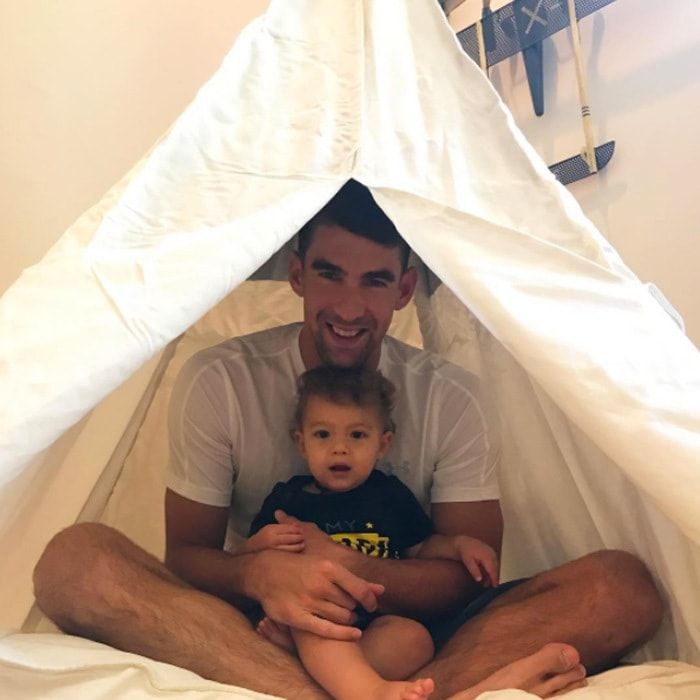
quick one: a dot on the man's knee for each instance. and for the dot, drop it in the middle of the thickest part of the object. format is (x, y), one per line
(75, 564)
(623, 587)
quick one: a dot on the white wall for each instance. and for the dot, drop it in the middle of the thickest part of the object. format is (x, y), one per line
(87, 86)
(643, 68)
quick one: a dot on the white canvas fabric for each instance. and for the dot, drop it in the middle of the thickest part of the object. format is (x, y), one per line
(55, 667)
(597, 389)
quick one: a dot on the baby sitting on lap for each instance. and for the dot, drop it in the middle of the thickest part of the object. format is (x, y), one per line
(342, 427)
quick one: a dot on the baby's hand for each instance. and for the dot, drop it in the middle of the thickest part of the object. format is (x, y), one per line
(479, 559)
(288, 538)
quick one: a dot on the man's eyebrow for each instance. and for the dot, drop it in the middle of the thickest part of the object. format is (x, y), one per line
(383, 274)
(324, 265)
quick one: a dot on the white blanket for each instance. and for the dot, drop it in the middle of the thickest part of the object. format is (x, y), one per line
(59, 667)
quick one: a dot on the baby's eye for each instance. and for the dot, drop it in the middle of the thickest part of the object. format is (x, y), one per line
(358, 434)
(322, 434)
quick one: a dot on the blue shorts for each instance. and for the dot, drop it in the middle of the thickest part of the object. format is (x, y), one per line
(443, 629)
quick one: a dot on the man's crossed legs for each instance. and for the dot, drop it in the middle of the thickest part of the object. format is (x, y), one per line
(94, 582)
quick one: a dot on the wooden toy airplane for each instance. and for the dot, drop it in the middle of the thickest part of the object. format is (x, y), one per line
(521, 26)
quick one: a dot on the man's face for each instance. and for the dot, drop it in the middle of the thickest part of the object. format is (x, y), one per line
(351, 287)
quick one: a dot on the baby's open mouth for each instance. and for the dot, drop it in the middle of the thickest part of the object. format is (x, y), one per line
(340, 468)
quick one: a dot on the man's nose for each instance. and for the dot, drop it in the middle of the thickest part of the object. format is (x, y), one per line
(349, 306)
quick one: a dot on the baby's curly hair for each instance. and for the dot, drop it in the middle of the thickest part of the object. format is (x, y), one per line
(359, 387)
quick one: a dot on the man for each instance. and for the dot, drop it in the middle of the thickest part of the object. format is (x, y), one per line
(229, 445)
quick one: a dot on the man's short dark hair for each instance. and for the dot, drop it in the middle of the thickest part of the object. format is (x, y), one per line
(346, 385)
(354, 208)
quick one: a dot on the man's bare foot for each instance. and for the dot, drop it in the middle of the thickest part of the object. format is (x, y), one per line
(277, 634)
(554, 669)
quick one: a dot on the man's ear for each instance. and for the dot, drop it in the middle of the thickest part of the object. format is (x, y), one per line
(298, 438)
(296, 268)
(407, 285)
(385, 443)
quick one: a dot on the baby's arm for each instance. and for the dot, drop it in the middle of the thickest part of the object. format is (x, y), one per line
(287, 538)
(478, 558)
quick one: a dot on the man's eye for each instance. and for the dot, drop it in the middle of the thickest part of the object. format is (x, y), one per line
(322, 434)
(329, 274)
(377, 282)
(358, 434)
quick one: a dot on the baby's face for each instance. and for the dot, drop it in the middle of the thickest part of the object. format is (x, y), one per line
(341, 442)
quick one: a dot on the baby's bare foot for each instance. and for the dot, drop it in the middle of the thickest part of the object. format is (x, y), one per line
(398, 690)
(417, 690)
(276, 633)
(381, 689)
(554, 669)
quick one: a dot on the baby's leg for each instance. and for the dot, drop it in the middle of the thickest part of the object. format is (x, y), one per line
(343, 671)
(396, 647)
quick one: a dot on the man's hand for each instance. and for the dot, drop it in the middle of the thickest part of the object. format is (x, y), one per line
(287, 538)
(310, 593)
(479, 560)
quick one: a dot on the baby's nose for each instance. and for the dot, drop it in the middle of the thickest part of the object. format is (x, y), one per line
(340, 447)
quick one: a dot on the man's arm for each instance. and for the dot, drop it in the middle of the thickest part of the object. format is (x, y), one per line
(415, 587)
(194, 541)
(307, 592)
(476, 556)
(480, 519)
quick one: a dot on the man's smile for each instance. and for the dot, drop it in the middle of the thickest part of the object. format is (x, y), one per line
(343, 333)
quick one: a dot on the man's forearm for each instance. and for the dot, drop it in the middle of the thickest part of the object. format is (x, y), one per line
(214, 571)
(420, 588)
(436, 547)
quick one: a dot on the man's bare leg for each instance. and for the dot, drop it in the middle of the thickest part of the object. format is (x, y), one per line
(94, 582)
(552, 670)
(603, 605)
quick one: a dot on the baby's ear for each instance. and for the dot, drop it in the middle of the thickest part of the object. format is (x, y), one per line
(298, 438)
(385, 442)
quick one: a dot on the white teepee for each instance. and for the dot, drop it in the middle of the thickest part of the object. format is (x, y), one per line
(597, 389)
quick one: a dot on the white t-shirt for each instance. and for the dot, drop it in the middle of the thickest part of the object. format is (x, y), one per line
(232, 407)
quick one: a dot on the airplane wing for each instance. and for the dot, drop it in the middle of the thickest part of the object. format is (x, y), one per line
(521, 24)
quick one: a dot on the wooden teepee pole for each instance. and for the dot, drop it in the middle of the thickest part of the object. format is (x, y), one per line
(480, 39)
(589, 152)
